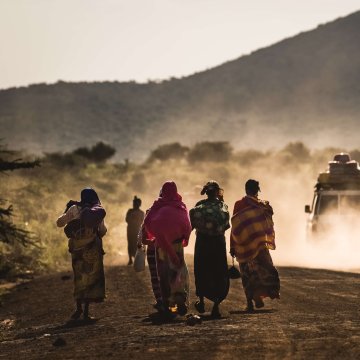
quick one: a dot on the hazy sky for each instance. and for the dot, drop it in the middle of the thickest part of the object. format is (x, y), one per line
(74, 40)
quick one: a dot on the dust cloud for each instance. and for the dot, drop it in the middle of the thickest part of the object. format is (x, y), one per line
(286, 182)
(289, 189)
(287, 178)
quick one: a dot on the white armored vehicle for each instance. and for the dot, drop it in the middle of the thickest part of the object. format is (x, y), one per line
(336, 202)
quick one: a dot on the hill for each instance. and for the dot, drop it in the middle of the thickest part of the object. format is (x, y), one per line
(303, 88)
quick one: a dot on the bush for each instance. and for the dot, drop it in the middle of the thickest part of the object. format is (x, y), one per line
(296, 150)
(210, 151)
(169, 151)
(100, 152)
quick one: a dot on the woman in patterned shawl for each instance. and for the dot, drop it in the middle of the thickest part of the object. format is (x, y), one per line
(167, 222)
(252, 235)
(210, 218)
(85, 228)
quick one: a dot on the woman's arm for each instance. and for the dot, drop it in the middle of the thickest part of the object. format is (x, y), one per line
(102, 229)
(237, 206)
(127, 217)
(65, 218)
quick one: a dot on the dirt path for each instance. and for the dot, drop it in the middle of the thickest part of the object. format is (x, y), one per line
(317, 317)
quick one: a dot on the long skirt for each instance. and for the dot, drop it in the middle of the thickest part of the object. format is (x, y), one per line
(260, 278)
(210, 267)
(155, 283)
(132, 233)
(89, 279)
(174, 282)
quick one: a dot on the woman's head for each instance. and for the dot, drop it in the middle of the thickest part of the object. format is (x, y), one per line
(169, 191)
(89, 196)
(252, 187)
(136, 202)
(211, 189)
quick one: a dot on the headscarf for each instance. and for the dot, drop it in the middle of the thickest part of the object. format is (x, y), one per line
(168, 219)
(168, 197)
(89, 196)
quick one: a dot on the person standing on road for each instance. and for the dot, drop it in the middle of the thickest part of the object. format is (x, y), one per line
(167, 224)
(85, 227)
(210, 218)
(134, 218)
(252, 235)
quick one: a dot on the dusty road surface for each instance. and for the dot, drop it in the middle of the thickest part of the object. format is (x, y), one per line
(318, 317)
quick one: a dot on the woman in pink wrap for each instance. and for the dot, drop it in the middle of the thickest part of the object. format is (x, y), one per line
(168, 224)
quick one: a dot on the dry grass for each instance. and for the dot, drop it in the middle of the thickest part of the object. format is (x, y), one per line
(39, 196)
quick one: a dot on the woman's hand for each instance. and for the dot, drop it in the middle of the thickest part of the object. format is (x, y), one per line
(147, 242)
(70, 204)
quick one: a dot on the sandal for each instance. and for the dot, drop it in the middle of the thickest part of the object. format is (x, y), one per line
(200, 307)
(182, 309)
(249, 309)
(259, 303)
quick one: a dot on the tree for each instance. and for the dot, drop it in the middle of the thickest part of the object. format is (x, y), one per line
(9, 232)
(100, 152)
(296, 150)
(169, 151)
(213, 151)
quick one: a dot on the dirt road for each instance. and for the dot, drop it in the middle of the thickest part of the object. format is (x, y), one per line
(318, 317)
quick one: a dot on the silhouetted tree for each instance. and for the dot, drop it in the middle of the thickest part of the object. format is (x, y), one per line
(98, 153)
(296, 150)
(169, 151)
(9, 232)
(210, 151)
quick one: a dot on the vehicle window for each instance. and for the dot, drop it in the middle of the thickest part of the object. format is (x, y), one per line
(349, 204)
(328, 203)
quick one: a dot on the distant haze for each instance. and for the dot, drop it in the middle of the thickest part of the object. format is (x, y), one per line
(87, 40)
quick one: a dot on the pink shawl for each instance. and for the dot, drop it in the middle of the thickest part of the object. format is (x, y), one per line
(168, 220)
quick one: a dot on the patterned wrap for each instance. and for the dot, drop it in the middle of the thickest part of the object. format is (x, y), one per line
(89, 279)
(155, 282)
(210, 217)
(252, 229)
(87, 257)
(260, 278)
(174, 280)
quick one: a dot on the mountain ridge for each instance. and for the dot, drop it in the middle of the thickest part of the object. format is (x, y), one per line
(301, 88)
